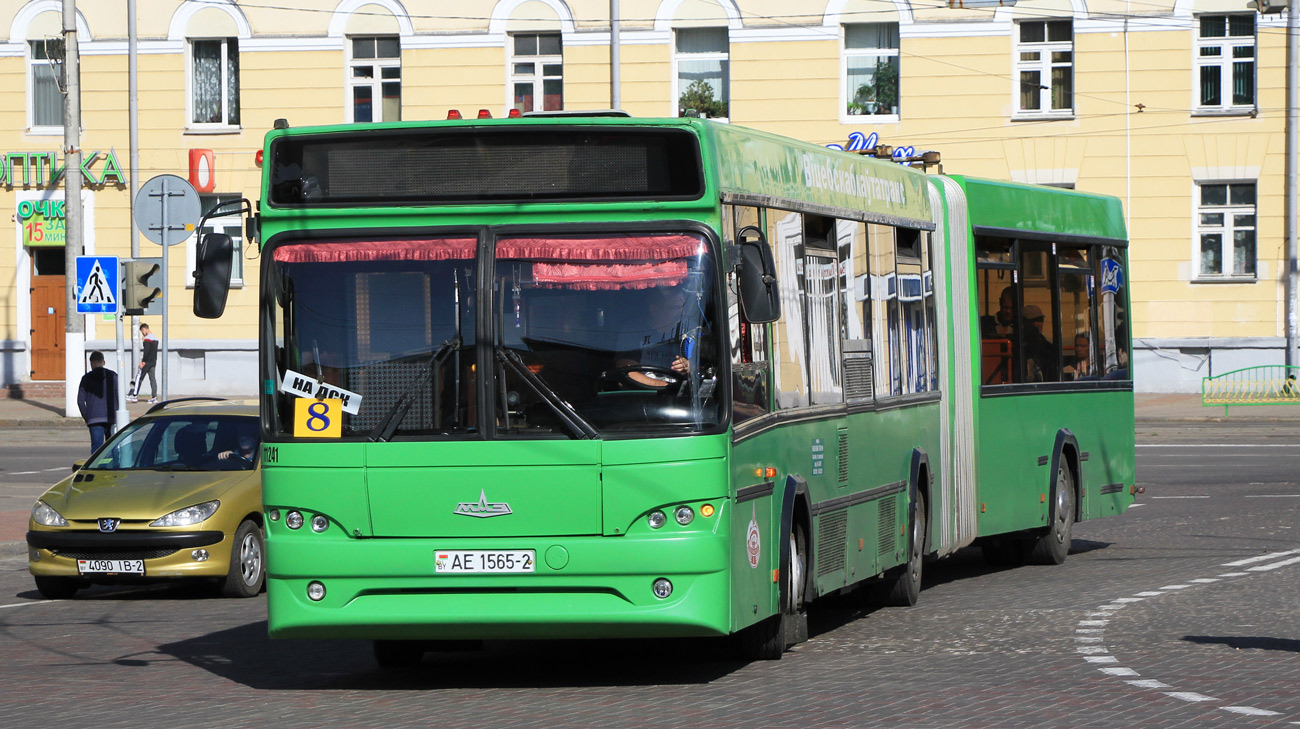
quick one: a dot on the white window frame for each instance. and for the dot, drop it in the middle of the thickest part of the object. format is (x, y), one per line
(223, 125)
(1226, 230)
(538, 77)
(1043, 65)
(230, 223)
(845, 97)
(1224, 61)
(32, 63)
(724, 56)
(376, 82)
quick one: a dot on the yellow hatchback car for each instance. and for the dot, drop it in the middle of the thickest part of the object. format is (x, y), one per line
(175, 494)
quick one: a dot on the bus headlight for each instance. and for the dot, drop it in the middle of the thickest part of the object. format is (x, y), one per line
(293, 519)
(684, 515)
(656, 519)
(662, 588)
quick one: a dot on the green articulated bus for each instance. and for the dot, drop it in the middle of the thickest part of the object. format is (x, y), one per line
(591, 376)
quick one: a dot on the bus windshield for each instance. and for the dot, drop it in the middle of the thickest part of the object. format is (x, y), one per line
(589, 335)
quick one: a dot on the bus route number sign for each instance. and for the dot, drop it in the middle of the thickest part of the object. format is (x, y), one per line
(317, 418)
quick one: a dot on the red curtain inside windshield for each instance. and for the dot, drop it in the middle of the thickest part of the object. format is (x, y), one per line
(438, 249)
(628, 248)
(631, 262)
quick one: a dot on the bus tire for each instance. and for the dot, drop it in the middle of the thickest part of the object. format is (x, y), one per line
(905, 589)
(1054, 546)
(767, 639)
(398, 653)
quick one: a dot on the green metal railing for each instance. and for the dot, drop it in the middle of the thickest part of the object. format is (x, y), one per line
(1260, 385)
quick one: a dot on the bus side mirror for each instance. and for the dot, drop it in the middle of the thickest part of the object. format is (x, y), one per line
(212, 275)
(760, 298)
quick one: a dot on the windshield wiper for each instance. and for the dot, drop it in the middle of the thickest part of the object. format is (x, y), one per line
(564, 410)
(388, 424)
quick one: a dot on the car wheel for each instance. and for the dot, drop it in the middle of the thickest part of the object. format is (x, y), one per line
(56, 588)
(247, 562)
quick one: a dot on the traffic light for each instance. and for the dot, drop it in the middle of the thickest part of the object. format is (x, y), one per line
(137, 292)
(1267, 6)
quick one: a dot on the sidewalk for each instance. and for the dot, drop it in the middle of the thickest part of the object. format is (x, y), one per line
(47, 412)
(1150, 407)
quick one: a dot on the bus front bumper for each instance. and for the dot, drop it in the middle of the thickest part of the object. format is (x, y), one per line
(582, 587)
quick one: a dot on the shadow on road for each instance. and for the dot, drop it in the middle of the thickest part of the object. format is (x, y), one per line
(1247, 641)
(245, 655)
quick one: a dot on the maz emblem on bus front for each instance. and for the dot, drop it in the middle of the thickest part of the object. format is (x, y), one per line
(482, 508)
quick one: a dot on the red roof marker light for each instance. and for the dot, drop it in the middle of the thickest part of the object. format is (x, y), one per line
(453, 114)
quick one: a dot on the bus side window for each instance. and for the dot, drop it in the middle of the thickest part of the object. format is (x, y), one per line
(997, 304)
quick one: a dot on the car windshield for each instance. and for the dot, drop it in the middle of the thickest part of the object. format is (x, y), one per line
(183, 443)
(588, 335)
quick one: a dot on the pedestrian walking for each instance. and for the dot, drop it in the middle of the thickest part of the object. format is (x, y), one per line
(148, 359)
(97, 400)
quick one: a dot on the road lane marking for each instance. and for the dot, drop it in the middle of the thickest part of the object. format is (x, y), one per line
(1189, 696)
(1260, 558)
(23, 473)
(1180, 497)
(1098, 653)
(1275, 565)
(1273, 496)
(24, 604)
(1250, 711)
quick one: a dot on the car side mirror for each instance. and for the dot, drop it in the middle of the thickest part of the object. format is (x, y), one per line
(760, 298)
(212, 275)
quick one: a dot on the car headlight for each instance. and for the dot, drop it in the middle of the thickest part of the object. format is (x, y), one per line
(45, 516)
(187, 516)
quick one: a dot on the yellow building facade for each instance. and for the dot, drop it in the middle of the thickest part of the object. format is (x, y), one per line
(1175, 106)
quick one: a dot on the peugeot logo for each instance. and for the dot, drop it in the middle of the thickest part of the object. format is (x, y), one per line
(482, 508)
(109, 525)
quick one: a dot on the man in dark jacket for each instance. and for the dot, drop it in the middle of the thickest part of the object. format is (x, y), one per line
(148, 358)
(97, 400)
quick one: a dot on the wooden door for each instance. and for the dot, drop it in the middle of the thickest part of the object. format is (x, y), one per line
(49, 320)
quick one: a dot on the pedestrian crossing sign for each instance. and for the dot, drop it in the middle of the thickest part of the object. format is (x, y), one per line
(98, 281)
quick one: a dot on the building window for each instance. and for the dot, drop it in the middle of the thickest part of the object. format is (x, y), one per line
(703, 73)
(1226, 230)
(374, 73)
(1225, 62)
(1045, 68)
(871, 68)
(537, 72)
(214, 82)
(231, 224)
(45, 98)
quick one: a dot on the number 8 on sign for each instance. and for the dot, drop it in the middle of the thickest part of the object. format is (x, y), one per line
(317, 418)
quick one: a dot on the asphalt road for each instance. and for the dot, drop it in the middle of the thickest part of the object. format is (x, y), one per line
(1180, 613)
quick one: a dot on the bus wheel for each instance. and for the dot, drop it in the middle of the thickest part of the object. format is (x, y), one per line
(767, 640)
(1052, 547)
(398, 653)
(905, 589)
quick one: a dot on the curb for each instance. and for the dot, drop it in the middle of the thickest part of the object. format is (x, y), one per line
(13, 549)
(34, 423)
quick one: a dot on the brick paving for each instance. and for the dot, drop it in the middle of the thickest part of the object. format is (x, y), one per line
(983, 648)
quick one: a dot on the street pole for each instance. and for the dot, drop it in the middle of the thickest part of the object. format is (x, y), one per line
(74, 352)
(615, 72)
(1289, 189)
(133, 140)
